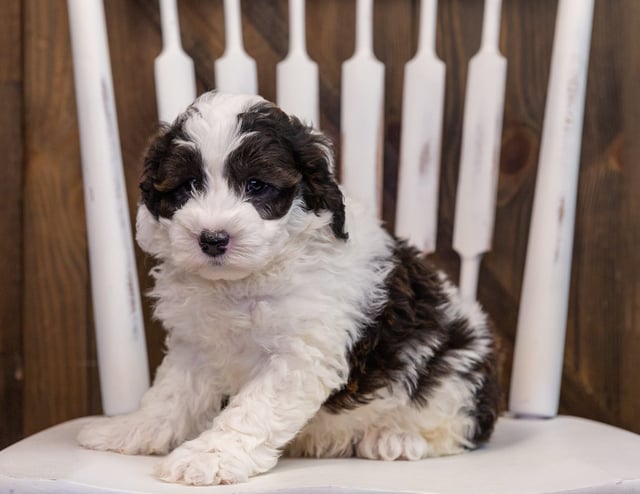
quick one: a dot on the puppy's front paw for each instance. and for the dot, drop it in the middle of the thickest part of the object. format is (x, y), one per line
(128, 434)
(191, 464)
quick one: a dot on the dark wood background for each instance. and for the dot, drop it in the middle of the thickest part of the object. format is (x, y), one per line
(48, 369)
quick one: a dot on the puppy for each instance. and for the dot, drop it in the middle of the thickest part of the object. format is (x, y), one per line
(295, 322)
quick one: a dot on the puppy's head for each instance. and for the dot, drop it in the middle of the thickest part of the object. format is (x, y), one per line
(226, 187)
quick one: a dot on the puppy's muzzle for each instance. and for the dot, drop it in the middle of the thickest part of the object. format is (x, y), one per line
(214, 243)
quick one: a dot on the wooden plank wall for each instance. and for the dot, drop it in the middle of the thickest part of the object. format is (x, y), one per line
(11, 272)
(48, 367)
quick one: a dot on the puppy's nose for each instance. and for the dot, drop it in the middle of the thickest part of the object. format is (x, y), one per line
(214, 243)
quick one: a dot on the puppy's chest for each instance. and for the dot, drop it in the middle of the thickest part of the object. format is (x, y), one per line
(218, 317)
(294, 315)
(210, 316)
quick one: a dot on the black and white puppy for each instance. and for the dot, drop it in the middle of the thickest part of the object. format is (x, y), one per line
(295, 322)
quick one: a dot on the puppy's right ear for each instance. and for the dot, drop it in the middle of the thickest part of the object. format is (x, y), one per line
(157, 148)
(173, 170)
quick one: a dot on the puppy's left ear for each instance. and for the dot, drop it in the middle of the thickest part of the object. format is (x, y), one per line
(314, 158)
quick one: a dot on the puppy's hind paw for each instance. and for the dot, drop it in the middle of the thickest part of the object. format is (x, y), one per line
(124, 434)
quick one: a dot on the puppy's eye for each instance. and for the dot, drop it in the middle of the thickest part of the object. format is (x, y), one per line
(255, 186)
(190, 184)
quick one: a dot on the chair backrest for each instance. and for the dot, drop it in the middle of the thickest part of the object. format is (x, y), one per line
(121, 347)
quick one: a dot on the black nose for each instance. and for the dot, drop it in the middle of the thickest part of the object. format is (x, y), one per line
(214, 243)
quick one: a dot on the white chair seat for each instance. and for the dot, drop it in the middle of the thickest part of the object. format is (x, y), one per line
(564, 454)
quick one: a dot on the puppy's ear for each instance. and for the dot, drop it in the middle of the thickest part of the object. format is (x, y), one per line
(314, 157)
(320, 189)
(173, 170)
(158, 146)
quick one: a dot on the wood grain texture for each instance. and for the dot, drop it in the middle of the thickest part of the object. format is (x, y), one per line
(603, 331)
(625, 156)
(55, 325)
(329, 48)
(11, 137)
(56, 283)
(395, 28)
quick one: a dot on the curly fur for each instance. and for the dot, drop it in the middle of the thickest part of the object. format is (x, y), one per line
(311, 332)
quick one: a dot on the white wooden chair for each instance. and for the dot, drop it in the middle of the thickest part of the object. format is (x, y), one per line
(533, 450)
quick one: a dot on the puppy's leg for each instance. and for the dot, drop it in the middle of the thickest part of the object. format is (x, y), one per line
(179, 405)
(247, 436)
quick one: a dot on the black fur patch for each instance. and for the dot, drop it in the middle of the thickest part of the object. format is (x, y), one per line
(410, 320)
(265, 157)
(172, 171)
(487, 403)
(291, 159)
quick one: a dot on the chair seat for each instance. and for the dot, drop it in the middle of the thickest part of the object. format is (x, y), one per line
(564, 454)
